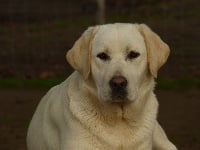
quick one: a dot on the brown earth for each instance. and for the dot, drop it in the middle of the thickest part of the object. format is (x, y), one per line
(179, 116)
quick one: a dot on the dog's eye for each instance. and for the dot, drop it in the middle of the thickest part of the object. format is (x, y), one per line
(133, 54)
(103, 56)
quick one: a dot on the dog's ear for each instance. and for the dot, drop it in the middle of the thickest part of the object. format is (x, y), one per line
(157, 50)
(79, 56)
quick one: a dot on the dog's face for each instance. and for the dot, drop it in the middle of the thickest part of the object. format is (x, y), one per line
(119, 62)
(119, 58)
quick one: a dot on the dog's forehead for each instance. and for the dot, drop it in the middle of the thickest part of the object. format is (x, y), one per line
(118, 36)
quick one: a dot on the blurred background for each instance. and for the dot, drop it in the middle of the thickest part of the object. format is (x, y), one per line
(36, 34)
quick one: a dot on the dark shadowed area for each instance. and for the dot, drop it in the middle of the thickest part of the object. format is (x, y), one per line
(36, 34)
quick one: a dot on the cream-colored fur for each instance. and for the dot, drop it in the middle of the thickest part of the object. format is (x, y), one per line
(80, 114)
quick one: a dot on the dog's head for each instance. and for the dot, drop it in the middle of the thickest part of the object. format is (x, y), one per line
(120, 59)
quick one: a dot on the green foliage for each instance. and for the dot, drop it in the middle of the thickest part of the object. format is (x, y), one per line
(178, 83)
(49, 82)
(30, 83)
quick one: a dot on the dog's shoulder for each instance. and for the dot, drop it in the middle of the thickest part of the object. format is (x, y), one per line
(61, 90)
(59, 95)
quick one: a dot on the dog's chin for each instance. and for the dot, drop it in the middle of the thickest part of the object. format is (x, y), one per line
(117, 100)
(109, 98)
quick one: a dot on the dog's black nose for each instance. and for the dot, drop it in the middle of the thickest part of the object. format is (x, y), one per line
(118, 83)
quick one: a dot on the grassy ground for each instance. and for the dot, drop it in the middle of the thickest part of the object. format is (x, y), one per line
(29, 83)
(49, 82)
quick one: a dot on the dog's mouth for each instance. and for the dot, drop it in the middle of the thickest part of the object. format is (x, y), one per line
(119, 96)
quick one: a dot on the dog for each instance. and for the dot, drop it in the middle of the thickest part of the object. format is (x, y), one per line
(108, 102)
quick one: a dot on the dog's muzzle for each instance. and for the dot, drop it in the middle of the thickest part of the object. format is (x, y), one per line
(118, 85)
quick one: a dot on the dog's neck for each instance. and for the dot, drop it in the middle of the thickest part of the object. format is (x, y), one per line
(113, 113)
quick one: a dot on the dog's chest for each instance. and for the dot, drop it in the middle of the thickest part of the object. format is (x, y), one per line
(108, 139)
(92, 134)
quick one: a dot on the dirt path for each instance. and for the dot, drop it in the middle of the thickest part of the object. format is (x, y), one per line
(179, 116)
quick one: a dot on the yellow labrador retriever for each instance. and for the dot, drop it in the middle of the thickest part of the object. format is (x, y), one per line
(108, 103)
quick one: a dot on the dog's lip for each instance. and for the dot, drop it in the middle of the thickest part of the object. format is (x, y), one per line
(119, 100)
